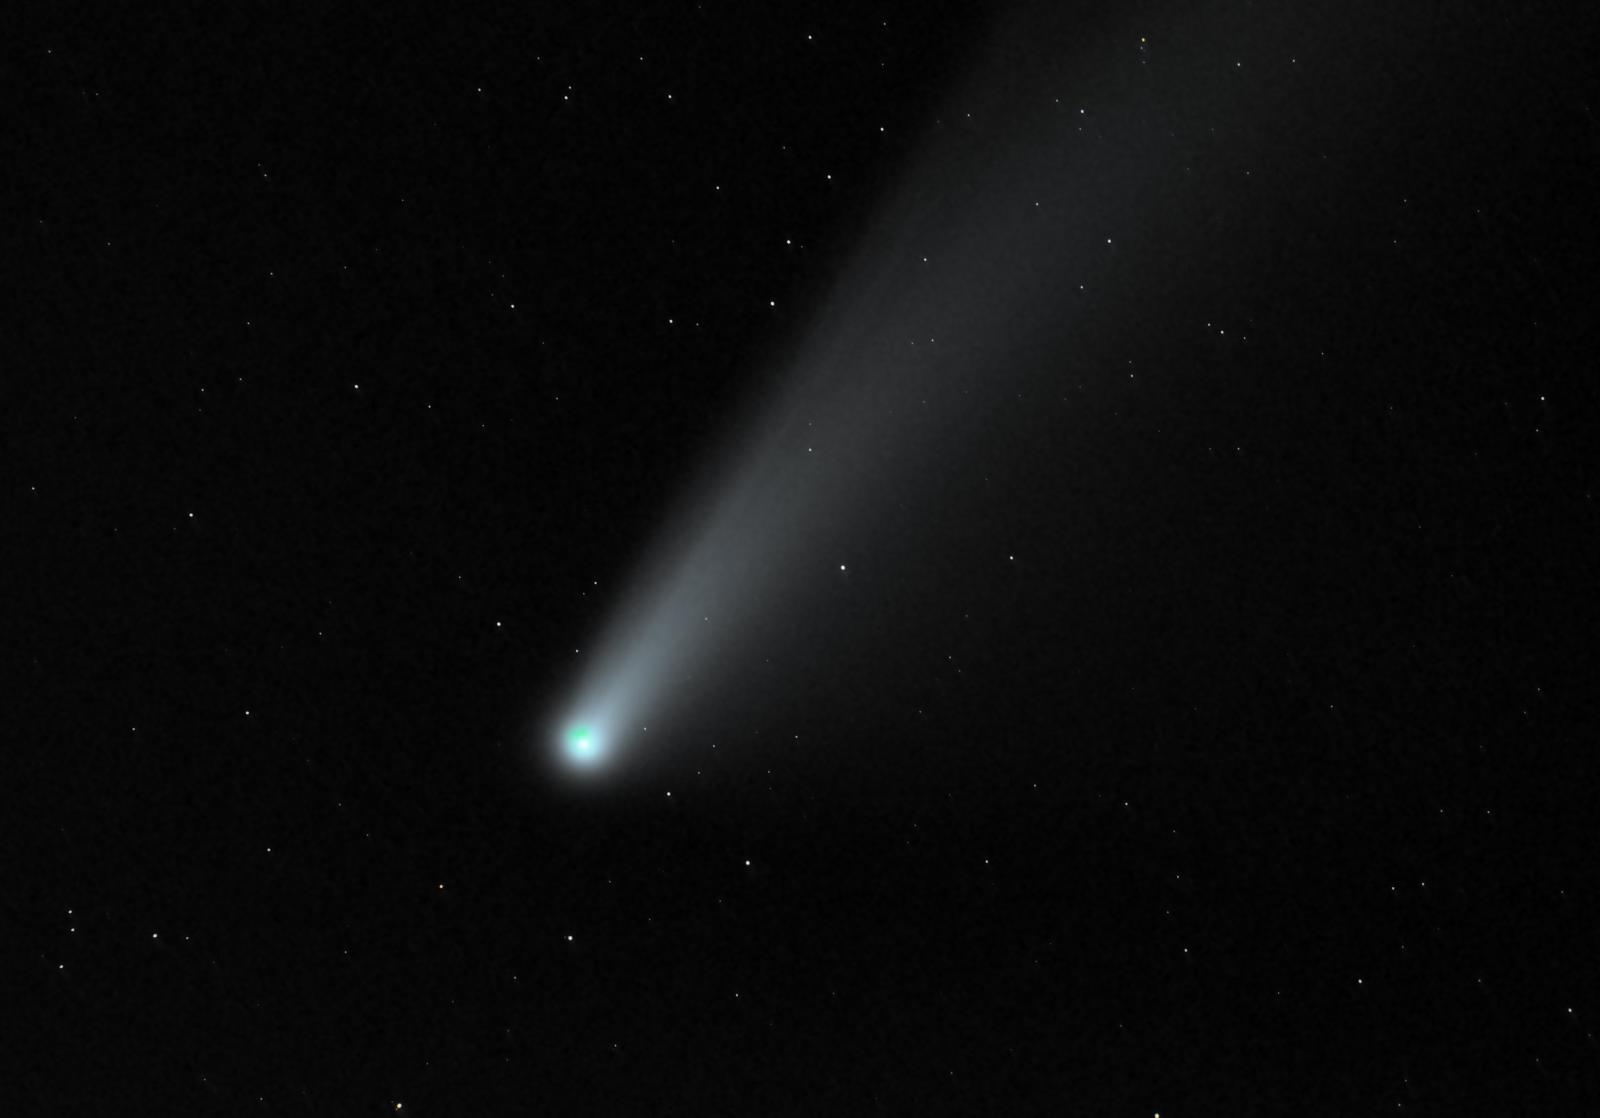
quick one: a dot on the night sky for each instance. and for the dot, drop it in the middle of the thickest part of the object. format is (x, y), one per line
(1128, 466)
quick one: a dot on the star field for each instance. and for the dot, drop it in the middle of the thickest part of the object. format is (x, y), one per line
(973, 559)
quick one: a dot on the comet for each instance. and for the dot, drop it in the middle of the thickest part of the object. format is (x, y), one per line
(974, 265)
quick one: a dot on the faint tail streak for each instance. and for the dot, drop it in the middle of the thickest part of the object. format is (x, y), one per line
(964, 255)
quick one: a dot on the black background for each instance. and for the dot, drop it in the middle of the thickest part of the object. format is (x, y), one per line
(1222, 744)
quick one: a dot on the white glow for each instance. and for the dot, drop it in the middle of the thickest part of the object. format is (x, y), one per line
(583, 746)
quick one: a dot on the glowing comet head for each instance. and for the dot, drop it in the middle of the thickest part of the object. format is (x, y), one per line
(582, 747)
